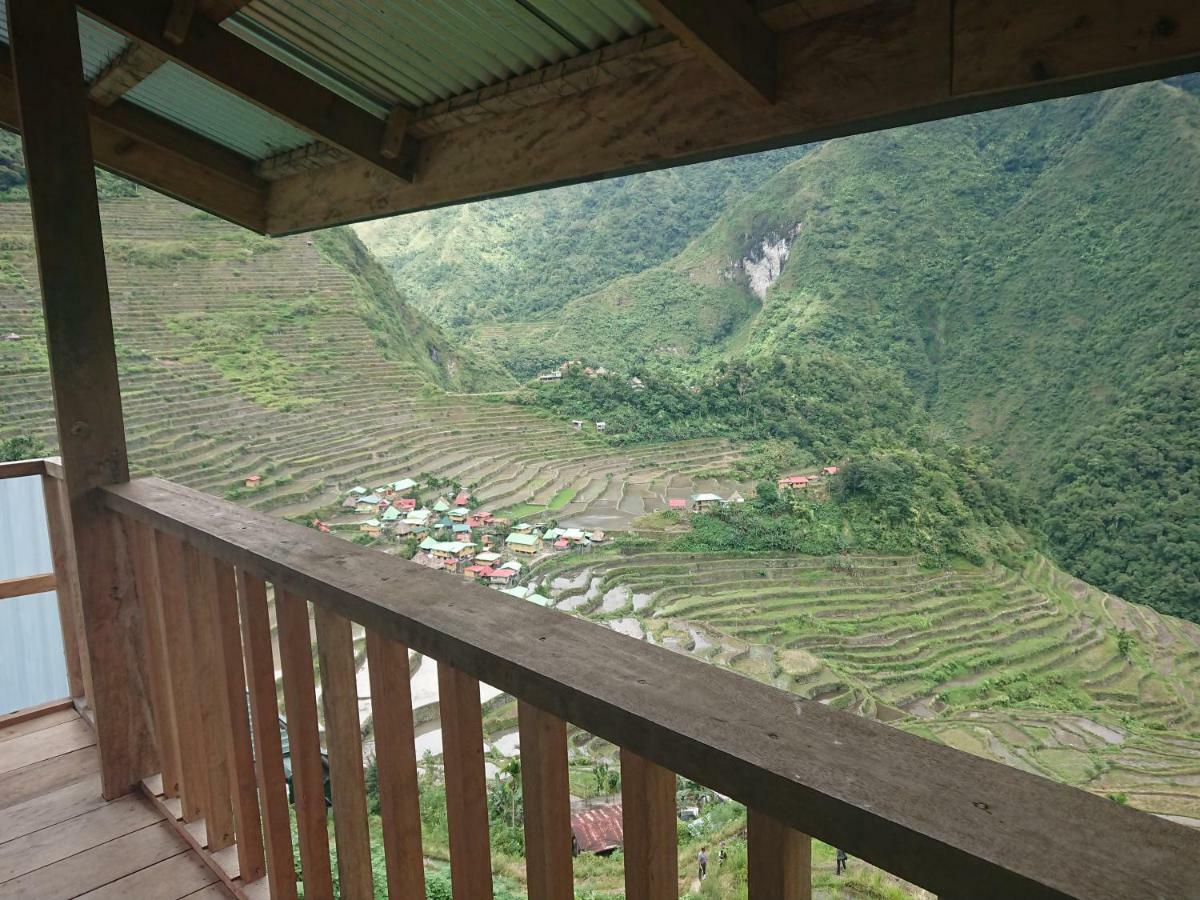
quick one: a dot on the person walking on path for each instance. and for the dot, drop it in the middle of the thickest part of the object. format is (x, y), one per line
(702, 858)
(841, 861)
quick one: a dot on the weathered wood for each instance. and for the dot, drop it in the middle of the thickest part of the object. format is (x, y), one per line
(19, 468)
(946, 820)
(131, 67)
(26, 585)
(304, 743)
(179, 20)
(9, 721)
(264, 718)
(343, 739)
(547, 795)
(302, 159)
(239, 750)
(648, 826)
(62, 551)
(395, 129)
(47, 62)
(29, 782)
(729, 37)
(179, 650)
(780, 859)
(258, 78)
(466, 784)
(886, 64)
(396, 765)
(208, 675)
(162, 697)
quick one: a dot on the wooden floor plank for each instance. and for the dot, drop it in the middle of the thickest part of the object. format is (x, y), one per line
(49, 845)
(99, 865)
(51, 808)
(42, 745)
(17, 716)
(38, 723)
(179, 876)
(30, 782)
(213, 892)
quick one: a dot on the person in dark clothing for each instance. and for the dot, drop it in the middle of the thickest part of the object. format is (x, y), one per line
(722, 855)
(841, 861)
(702, 858)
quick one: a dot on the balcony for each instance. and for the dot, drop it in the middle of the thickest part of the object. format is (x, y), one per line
(202, 576)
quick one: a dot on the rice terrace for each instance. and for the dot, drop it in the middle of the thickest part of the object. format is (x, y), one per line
(454, 460)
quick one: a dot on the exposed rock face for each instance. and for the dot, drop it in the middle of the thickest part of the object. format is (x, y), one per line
(763, 265)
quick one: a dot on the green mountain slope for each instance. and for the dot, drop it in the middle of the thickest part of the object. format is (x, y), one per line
(1029, 274)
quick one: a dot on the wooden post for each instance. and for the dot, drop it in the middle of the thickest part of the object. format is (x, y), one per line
(51, 97)
(651, 841)
(62, 550)
(547, 794)
(780, 859)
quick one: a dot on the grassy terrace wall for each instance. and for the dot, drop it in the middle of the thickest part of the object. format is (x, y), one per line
(1031, 668)
(243, 355)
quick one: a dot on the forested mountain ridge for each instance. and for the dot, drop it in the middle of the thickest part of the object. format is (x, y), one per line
(1029, 276)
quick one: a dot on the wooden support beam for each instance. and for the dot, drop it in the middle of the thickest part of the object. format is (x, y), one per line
(728, 36)
(26, 585)
(780, 859)
(231, 63)
(70, 617)
(650, 838)
(138, 145)
(129, 69)
(179, 20)
(395, 129)
(547, 796)
(47, 63)
(302, 159)
(894, 62)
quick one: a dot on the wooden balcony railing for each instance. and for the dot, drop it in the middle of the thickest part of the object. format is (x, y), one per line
(956, 824)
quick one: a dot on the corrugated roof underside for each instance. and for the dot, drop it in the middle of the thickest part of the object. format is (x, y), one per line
(379, 52)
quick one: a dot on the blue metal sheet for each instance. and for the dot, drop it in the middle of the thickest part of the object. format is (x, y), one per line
(32, 667)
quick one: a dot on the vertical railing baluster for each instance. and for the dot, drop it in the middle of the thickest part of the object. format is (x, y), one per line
(779, 865)
(62, 551)
(343, 738)
(145, 564)
(177, 629)
(650, 836)
(396, 766)
(304, 743)
(268, 742)
(466, 784)
(239, 753)
(546, 791)
(210, 692)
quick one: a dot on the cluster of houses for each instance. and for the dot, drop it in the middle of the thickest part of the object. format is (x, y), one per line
(456, 538)
(703, 501)
(801, 482)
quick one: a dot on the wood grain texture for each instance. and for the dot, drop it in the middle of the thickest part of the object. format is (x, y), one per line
(547, 795)
(239, 749)
(779, 860)
(209, 681)
(396, 764)
(26, 585)
(36, 718)
(466, 784)
(220, 57)
(343, 738)
(62, 551)
(648, 825)
(946, 820)
(264, 718)
(179, 651)
(30, 782)
(730, 37)
(20, 468)
(46, 62)
(131, 67)
(304, 741)
(162, 697)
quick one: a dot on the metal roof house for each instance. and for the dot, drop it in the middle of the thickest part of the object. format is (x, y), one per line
(289, 115)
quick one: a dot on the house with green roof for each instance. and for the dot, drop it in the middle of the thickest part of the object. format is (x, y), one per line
(524, 543)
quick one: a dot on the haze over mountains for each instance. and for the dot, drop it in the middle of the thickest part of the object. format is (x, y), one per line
(1027, 277)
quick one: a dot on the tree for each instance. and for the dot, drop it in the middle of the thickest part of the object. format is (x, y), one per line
(22, 446)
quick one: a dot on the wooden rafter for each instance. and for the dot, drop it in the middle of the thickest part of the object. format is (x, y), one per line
(259, 78)
(130, 68)
(142, 147)
(894, 62)
(728, 35)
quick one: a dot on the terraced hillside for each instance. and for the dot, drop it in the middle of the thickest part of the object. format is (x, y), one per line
(1031, 668)
(296, 359)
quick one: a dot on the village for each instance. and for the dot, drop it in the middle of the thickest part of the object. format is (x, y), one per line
(452, 534)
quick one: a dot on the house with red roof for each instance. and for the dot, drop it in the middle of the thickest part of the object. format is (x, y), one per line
(792, 482)
(462, 499)
(831, 470)
(597, 830)
(253, 481)
(677, 503)
(405, 504)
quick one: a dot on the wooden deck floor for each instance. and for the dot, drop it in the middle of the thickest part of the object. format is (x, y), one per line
(60, 839)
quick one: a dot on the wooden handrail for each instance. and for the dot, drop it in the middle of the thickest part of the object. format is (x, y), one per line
(19, 468)
(956, 824)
